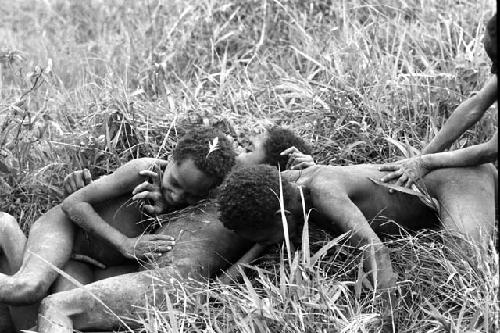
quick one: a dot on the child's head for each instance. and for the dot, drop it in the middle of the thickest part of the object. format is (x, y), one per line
(490, 42)
(268, 146)
(200, 161)
(249, 203)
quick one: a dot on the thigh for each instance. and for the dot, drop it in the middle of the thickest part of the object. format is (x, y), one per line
(12, 243)
(101, 274)
(50, 243)
(124, 297)
(467, 200)
(82, 272)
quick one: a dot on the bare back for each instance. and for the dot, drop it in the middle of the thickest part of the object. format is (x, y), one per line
(373, 200)
(203, 247)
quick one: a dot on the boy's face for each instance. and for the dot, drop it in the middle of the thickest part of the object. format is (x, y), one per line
(272, 233)
(257, 153)
(183, 183)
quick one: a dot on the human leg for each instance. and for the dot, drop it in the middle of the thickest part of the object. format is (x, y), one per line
(467, 198)
(51, 238)
(84, 309)
(203, 248)
(12, 242)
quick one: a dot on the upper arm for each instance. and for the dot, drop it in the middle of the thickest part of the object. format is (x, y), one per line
(343, 215)
(120, 182)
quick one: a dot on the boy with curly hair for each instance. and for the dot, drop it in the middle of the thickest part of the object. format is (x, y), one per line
(102, 222)
(203, 246)
(350, 199)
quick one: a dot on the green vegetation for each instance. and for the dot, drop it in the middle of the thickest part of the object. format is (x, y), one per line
(96, 83)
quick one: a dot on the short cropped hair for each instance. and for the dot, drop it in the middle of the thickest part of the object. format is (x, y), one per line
(210, 150)
(278, 139)
(490, 42)
(249, 197)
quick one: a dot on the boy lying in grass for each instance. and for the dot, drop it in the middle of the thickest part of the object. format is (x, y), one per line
(203, 246)
(410, 171)
(102, 222)
(345, 199)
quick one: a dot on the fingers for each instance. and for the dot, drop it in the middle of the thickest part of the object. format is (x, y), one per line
(303, 165)
(87, 177)
(145, 186)
(151, 176)
(402, 180)
(156, 237)
(152, 209)
(391, 176)
(408, 183)
(289, 151)
(389, 167)
(147, 194)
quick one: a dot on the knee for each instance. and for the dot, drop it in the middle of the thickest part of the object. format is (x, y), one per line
(7, 222)
(50, 304)
(27, 291)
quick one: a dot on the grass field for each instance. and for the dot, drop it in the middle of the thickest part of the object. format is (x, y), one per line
(95, 83)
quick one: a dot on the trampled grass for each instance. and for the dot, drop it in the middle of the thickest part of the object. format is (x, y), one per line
(96, 83)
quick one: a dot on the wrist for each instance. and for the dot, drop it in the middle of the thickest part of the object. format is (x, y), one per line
(427, 162)
(125, 245)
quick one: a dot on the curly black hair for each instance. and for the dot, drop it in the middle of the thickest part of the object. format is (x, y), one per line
(196, 144)
(278, 139)
(250, 197)
(490, 42)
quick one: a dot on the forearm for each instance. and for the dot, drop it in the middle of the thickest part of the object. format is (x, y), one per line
(470, 156)
(84, 215)
(466, 115)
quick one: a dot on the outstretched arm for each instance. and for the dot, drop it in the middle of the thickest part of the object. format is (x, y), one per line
(466, 115)
(408, 171)
(343, 214)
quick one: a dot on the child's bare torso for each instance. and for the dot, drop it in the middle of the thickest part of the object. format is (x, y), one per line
(373, 200)
(121, 213)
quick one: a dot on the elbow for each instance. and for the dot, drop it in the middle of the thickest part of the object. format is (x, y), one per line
(491, 152)
(68, 206)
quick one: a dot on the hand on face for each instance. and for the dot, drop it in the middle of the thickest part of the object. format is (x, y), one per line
(76, 180)
(407, 171)
(183, 183)
(297, 160)
(150, 192)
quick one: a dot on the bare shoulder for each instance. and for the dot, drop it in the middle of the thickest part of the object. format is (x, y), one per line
(145, 163)
(327, 179)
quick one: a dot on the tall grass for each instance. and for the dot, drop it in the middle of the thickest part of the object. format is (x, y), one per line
(96, 83)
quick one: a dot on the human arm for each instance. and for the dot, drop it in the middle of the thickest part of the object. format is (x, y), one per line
(79, 208)
(409, 171)
(466, 115)
(343, 215)
(297, 160)
(149, 191)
